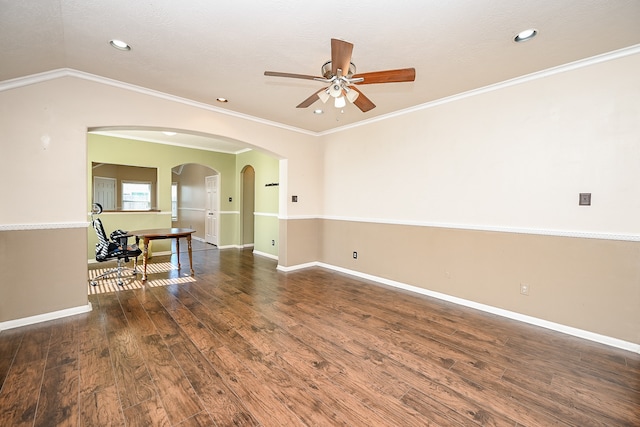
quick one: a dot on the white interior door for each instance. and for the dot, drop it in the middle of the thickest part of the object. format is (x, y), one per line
(211, 211)
(104, 192)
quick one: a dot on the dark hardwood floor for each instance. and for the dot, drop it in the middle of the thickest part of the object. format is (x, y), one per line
(246, 345)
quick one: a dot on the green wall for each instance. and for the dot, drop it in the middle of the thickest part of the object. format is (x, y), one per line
(105, 149)
(266, 226)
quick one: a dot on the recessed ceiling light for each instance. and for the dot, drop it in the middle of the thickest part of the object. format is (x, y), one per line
(525, 35)
(318, 111)
(222, 99)
(119, 44)
(169, 133)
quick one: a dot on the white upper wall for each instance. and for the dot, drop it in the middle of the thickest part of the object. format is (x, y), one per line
(516, 157)
(43, 134)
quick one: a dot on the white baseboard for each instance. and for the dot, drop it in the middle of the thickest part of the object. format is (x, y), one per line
(264, 254)
(10, 324)
(301, 266)
(162, 253)
(230, 247)
(580, 333)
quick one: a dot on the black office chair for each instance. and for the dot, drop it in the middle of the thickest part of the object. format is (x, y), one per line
(116, 248)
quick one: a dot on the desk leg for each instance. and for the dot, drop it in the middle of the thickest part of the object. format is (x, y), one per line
(145, 255)
(178, 251)
(190, 255)
(135, 264)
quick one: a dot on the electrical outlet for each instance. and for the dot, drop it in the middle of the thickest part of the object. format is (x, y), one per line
(524, 289)
(273, 243)
(355, 255)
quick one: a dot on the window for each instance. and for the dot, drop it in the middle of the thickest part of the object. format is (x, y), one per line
(138, 187)
(136, 196)
(174, 201)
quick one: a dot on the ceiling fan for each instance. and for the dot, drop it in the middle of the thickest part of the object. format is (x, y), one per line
(340, 74)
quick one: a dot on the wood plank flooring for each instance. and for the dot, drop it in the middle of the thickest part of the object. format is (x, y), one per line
(245, 345)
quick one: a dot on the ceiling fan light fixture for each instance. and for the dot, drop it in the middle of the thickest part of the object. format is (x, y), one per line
(341, 82)
(352, 95)
(335, 90)
(525, 35)
(324, 96)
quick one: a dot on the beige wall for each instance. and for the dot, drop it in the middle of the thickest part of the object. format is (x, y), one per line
(589, 284)
(304, 241)
(42, 271)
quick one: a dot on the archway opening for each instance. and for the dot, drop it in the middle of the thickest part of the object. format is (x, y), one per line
(248, 191)
(193, 203)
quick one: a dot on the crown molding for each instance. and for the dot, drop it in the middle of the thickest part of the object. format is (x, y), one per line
(69, 72)
(609, 56)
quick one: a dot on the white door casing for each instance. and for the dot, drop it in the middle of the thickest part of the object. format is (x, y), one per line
(211, 209)
(104, 192)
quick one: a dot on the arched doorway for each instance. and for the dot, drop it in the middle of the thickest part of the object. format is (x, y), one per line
(248, 180)
(193, 206)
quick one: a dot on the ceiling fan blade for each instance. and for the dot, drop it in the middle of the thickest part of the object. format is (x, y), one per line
(307, 102)
(362, 102)
(388, 76)
(340, 56)
(293, 76)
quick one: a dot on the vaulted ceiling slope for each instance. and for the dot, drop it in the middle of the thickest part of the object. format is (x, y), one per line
(201, 50)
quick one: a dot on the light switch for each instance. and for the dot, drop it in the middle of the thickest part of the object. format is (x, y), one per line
(294, 199)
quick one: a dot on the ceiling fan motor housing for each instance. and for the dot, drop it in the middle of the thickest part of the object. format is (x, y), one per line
(327, 74)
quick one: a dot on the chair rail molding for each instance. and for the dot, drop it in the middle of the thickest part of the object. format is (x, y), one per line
(44, 226)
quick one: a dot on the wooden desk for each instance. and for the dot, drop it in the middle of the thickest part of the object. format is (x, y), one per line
(163, 233)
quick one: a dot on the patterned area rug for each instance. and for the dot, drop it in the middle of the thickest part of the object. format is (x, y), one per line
(110, 283)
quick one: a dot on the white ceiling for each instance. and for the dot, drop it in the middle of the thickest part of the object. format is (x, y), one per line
(203, 49)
